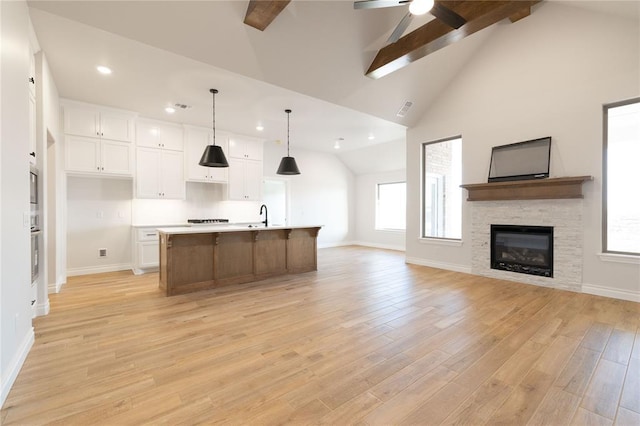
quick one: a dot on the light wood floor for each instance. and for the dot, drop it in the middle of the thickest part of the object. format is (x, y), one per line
(367, 339)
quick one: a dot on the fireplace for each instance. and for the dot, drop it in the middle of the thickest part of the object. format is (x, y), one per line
(523, 249)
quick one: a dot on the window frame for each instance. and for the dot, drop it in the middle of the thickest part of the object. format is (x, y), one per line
(605, 150)
(423, 209)
(377, 198)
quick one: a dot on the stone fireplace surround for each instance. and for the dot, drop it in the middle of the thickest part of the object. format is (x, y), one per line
(565, 215)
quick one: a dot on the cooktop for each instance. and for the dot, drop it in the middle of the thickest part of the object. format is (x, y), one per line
(206, 221)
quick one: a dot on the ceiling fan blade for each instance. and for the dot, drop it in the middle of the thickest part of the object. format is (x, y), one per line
(447, 15)
(400, 28)
(377, 4)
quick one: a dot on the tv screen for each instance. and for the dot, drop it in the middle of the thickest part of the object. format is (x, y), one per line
(520, 161)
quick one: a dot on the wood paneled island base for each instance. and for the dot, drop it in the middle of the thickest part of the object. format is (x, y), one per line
(193, 259)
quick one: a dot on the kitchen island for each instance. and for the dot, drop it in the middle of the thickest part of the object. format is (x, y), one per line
(194, 258)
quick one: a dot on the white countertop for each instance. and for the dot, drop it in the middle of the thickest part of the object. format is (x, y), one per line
(205, 229)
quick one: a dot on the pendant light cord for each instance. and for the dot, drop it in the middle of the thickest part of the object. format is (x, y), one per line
(213, 115)
(288, 111)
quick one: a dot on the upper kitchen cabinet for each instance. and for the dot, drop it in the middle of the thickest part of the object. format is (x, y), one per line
(245, 148)
(245, 169)
(159, 174)
(95, 122)
(245, 180)
(157, 134)
(98, 141)
(95, 156)
(196, 139)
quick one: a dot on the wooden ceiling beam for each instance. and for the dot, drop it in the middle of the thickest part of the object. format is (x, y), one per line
(520, 14)
(435, 34)
(260, 13)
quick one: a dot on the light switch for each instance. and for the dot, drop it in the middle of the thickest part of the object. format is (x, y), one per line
(100, 214)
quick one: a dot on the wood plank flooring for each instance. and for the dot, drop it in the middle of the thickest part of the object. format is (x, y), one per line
(366, 339)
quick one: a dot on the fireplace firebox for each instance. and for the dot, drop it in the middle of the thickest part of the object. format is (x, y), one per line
(523, 249)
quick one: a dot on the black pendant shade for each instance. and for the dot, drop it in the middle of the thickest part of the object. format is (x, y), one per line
(213, 155)
(288, 164)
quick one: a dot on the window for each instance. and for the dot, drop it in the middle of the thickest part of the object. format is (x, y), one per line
(621, 171)
(391, 203)
(442, 195)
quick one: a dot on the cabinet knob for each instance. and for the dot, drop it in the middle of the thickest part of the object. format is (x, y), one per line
(102, 168)
(33, 154)
(31, 80)
(97, 168)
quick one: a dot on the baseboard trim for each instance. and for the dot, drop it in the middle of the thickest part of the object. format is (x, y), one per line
(43, 308)
(16, 365)
(73, 272)
(597, 290)
(440, 265)
(338, 244)
(380, 246)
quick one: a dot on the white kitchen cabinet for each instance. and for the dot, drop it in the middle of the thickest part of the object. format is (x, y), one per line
(245, 148)
(159, 174)
(94, 122)
(196, 140)
(156, 134)
(245, 180)
(96, 156)
(146, 249)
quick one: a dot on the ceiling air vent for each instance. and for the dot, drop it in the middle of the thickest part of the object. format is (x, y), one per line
(405, 108)
(182, 106)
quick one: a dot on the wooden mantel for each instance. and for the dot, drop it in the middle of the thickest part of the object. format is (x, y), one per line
(535, 189)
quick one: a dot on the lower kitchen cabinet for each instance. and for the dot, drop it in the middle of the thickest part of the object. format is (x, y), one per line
(245, 180)
(159, 174)
(146, 250)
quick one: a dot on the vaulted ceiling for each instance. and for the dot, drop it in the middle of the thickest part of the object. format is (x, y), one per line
(313, 58)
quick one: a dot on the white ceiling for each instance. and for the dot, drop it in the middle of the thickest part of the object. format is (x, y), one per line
(311, 59)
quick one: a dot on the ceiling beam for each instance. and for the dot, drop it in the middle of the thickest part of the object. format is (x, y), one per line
(520, 14)
(435, 34)
(260, 13)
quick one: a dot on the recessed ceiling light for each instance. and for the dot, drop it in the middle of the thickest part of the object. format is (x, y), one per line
(371, 137)
(259, 128)
(103, 70)
(170, 110)
(337, 144)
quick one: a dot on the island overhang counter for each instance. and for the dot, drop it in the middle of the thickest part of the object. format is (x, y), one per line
(195, 258)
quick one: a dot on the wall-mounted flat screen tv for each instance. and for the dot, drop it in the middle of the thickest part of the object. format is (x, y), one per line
(520, 161)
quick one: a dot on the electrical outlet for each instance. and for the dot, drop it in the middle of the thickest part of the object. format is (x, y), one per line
(100, 214)
(102, 252)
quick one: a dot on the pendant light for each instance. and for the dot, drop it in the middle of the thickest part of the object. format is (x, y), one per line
(213, 155)
(288, 164)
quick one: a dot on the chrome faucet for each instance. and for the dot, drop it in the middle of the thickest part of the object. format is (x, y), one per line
(266, 215)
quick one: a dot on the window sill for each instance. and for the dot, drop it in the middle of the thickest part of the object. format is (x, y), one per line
(441, 242)
(391, 231)
(620, 258)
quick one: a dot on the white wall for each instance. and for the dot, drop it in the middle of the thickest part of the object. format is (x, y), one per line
(365, 231)
(16, 332)
(546, 75)
(98, 216)
(322, 194)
